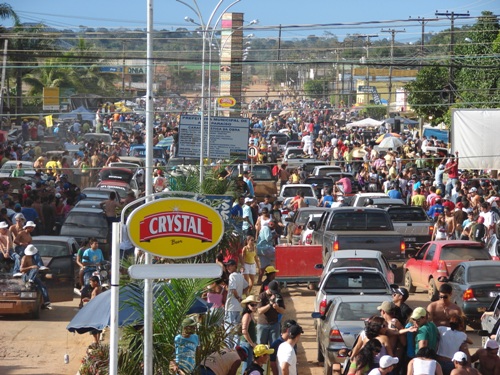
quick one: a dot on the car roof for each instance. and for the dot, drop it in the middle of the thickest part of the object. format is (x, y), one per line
(361, 298)
(89, 210)
(361, 253)
(480, 263)
(66, 239)
(355, 269)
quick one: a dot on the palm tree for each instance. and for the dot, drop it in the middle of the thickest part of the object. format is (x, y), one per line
(48, 75)
(26, 44)
(6, 12)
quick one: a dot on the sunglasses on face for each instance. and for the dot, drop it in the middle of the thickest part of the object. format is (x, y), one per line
(443, 297)
(252, 304)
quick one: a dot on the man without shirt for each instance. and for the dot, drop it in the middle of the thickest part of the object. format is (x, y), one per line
(489, 362)
(440, 311)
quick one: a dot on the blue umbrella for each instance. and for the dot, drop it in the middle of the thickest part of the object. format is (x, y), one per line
(96, 313)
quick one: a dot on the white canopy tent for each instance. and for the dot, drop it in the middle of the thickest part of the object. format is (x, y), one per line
(365, 123)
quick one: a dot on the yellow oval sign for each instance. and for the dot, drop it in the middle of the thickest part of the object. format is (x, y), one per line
(175, 227)
(226, 101)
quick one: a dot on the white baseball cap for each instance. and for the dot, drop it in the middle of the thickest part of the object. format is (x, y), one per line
(388, 361)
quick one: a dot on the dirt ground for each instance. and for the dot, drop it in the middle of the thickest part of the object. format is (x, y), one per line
(38, 346)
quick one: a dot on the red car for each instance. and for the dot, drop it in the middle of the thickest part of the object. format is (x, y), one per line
(439, 258)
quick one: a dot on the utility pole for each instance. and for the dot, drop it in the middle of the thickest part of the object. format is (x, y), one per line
(367, 36)
(452, 16)
(393, 33)
(422, 21)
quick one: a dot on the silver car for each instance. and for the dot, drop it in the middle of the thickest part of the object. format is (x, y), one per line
(343, 321)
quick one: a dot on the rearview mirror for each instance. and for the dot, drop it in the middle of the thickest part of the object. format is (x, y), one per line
(443, 279)
(319, 266)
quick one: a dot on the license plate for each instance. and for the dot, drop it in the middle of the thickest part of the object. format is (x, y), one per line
(410, 239)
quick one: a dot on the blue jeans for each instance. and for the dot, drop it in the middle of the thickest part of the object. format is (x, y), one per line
(33, 275)
(231, 320)
(268, 333)
(16, 256)
(450, 184)
(245, 345)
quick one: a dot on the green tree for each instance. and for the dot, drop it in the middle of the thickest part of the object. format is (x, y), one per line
(314, 88)
(478, 80)
(425, 93)
(7, 12)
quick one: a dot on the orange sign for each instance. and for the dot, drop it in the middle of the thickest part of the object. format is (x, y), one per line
(226, 101)
(175, 227)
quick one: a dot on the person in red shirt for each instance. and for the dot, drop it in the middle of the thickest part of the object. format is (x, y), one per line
(452, 169)
(447, 203)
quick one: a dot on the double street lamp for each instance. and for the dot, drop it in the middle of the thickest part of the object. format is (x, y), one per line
(207, 31)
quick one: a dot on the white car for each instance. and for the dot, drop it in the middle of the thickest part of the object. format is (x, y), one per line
(289, 191)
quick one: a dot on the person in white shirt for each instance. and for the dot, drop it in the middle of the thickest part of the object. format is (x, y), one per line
(236, 286)
(287, 358)
(307, 144)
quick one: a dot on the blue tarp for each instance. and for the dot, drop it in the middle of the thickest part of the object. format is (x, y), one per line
(84, 112)
(442, 135)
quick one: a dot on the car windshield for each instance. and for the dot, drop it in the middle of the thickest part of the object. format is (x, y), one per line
(303, 217)
(345, 282)
(116, 174)
(83, 219)
(407, 214)
(261, 173)
(484, 274)
(293, 191)
(355, 311)
(141, 153)
(362, 221)
(51, 249)
(96, 195)
(464, 253)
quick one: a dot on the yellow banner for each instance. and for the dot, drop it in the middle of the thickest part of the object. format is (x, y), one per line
(48, 121)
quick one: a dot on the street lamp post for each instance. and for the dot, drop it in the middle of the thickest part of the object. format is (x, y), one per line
(205, 27)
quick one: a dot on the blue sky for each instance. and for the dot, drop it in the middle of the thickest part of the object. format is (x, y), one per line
(169, 14)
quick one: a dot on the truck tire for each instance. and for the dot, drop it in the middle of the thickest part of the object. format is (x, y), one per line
(409, 283)
(432, 291)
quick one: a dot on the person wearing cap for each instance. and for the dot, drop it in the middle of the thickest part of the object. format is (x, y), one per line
(427, 333)
(478, 230)
(224, 362)
(186, 344)
(261, 357)
(248, 222)
(462, 367)
(233, 308)
(399, 297)
(490, 221)
(286, 356)
(29, 268)
(270, 273)
(397, 342)
(489, 361)
(248, 339)
(23, 237)
(276, 344)
(441, 310)
(387, 364)
(271, 305)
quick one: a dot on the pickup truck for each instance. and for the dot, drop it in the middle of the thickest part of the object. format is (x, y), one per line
(291, 190)
(347, 228)
(265, 184)
(413, 223)
(19, 299)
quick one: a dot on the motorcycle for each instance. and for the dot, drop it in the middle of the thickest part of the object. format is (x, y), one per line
(102, 271)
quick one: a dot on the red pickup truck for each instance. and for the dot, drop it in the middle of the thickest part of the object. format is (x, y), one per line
(439, 258)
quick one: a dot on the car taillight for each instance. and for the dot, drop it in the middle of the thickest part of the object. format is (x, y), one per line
(322, 307)
(335, 246)
(469, 295)
(431, 230)
(335, 336)
(403, 247)
(441, 267)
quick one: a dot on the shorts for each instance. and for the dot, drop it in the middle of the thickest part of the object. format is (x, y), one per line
(250, 269)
